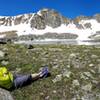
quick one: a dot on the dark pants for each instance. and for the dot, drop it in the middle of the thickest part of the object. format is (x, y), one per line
(21, 80)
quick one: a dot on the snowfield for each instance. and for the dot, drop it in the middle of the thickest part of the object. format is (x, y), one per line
(83, 34)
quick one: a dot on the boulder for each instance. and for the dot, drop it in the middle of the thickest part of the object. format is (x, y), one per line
(4, 62)
(5, 95)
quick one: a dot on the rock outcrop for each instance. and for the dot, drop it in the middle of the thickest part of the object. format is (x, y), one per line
(5, 95)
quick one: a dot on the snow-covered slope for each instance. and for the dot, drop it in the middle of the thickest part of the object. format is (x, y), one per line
(49, 21)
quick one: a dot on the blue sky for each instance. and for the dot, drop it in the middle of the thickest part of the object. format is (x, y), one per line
(68, 8)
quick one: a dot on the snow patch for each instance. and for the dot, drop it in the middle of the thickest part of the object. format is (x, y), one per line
(95, 25)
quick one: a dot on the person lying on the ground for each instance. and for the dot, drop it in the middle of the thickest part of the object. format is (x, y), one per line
(11, 81)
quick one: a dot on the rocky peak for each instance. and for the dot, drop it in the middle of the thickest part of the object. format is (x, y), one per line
(52, 18)
(97, 17)
(40, 19)
(48, 17)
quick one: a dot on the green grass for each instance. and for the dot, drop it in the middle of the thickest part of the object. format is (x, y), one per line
(58, 58)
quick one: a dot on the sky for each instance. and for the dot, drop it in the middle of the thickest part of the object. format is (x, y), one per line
(68, 8)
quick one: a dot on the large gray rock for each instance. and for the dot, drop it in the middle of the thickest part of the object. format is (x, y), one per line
(5, 95)
(88, 25)
(4, 62)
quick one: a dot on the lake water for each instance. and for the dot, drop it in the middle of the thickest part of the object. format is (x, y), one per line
(60, 41)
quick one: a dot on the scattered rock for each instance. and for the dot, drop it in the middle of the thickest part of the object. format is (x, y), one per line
(72, 55)
(2, 54)
(5, 49)
(94, 56)
(57, 78)
(91, 65)
(54, 91)
(76, 83)
(67, 73)
(99, 69)
(42, 94)
(4, 62)
(76, 64)
(87, 87)
(82, 76)
(88, 96)
(47, 98)
(98, 60)
(55, 66)
(55, 49)
(5, 95)
(88, 74)
(68, 66)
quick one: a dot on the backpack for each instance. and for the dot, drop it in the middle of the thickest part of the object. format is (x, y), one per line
(6, 78)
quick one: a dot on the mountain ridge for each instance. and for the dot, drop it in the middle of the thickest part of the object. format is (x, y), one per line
(50, 21)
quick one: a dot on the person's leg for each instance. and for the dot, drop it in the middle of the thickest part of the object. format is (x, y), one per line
(23, 80)
(35, 76)
(17, 75)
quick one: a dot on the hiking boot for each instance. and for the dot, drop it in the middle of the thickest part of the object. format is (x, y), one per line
(44, 72)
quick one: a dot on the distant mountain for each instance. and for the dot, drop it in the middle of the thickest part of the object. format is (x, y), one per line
(48, 23)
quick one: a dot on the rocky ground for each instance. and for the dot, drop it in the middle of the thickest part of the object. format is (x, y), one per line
(75, 70)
